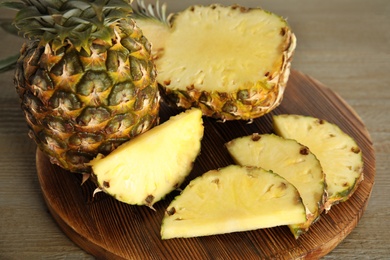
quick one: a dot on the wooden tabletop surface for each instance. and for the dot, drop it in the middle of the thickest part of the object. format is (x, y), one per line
(343, 44)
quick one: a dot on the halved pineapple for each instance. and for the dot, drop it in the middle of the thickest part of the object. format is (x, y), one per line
(292, 161)
(339, 155)
(233, 199)
(231, 62)
(143, 170)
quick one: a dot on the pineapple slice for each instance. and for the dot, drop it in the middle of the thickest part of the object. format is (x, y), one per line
(231, 62)
(292, 161)
(340, 156)
(143, 170)
(233, 199)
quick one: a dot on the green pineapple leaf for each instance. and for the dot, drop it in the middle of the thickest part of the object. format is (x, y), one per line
(76, 21)
(157, 11)
(13, 5)
(7, 25)
(83, 38)
(8, 63)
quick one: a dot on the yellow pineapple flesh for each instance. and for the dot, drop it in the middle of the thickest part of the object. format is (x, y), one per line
(340, 156)
(230, 61)
(292, 161)
(143, 170)
(232, 199)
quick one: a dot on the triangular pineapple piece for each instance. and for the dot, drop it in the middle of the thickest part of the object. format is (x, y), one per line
(232, 199)
(339, 155)
(143, 170)
(292, 161)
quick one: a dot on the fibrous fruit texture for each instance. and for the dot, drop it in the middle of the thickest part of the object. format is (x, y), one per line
(233, 199)
(292, 161)
(143, 170)
(231, 62)
(339, 155)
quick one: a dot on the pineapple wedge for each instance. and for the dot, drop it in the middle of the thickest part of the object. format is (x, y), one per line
(143, 170)
(292, 161)
(339, 155)
(232, 199)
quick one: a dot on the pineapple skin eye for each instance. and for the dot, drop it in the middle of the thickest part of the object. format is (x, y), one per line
(78, 86)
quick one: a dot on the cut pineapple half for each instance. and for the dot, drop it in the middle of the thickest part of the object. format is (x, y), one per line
(232, 199)
(339, 155)
(143, 170)
(232, 62)
(292, 161)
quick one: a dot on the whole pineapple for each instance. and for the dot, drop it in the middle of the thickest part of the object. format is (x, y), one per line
(85, 77)
(231, 62)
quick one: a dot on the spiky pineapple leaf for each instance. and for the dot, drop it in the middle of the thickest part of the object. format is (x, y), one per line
(7, 25)
(28, 13)
(13, 5)
(157, 11)
(74, 5)
(8, 63)
(77, 21)
(103, 34)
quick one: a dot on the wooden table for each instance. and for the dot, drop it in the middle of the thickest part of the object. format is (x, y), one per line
(343, 44)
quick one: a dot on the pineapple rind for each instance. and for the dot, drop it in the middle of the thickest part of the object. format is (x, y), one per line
(338, 153)
(78, 104)
(292, 161)
(232, 199)
(143, 170)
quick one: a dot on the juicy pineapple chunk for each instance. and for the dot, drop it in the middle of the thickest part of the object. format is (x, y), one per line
(292, 161)
(143, 170)
(339, 155)
(233, 199)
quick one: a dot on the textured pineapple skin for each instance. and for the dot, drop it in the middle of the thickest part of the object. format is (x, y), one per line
(78, 104)
(246, 102)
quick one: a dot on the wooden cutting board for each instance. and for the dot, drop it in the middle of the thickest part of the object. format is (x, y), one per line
(109, 229)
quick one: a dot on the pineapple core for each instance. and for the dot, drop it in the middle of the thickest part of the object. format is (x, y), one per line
(143, 170)
(220, 49)
(233, 199)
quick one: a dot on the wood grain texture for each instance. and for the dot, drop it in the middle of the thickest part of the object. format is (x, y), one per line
(343, 44)
(109, 229)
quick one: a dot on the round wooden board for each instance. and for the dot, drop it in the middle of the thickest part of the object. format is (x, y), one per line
(109, 229)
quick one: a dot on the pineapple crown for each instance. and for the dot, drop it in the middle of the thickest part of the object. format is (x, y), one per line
(76, 21)
(152, 11)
